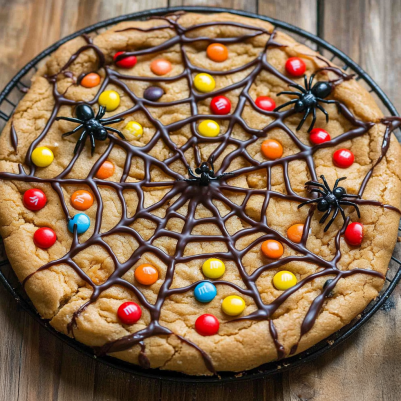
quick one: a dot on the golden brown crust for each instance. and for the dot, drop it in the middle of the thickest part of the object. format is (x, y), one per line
(58, 292)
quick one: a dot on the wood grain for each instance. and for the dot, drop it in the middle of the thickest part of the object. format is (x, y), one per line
(37, 366)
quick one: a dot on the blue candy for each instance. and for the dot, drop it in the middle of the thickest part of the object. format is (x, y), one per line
(205, 292)
(82, 221)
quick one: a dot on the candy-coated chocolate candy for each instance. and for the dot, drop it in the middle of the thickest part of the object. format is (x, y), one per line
(153, 93)
(160, 66)
(129, 312)
(106, 170)
(295, 66)
(343, 158)
(354, 234)
(284, 280)
(204, 82)
(82, 221)
(90, 80)
(81, 200)
(220, 105)
(213, 268)
(109, 99)
(126, 62)
(207, 325)
(265, 103)
(217, 52)
(272, 249)
(233, 305)
(44, 237)
(205, 292)
(135, 129)
(209, 128)
(319, 135)
(42, 156)
(34, 199)
(272, 149)
(146, 274)
(294, 233)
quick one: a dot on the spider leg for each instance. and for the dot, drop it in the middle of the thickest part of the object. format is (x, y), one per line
(318, 184)
(101, 112)
(342, 212)
(313, 119)
(327, 101)
(351, 204)
(299, 87)
(303, 119)
(312, 77)
(116, 131)
(324, 218)
(306, 82)
(286, 104)
(323, 111)
(325, 183)
(73, 120)
(191, 173)
(189, 180)
(81, 139)
(337, 181)
(222, 175)
(352, 196)
(319, 191)
(92, 138)
(289, 93)
(331, 220)
(73, 131)
(117, 120)
(307, 202)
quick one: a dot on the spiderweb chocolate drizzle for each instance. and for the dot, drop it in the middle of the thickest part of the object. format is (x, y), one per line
(195, 195)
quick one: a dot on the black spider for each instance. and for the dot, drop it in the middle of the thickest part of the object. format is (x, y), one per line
(206, 174)
(309, 98)
(330, 199)
(93, 126)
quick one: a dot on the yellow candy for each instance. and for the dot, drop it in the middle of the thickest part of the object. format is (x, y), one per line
(213, 268)
(233, 305)
(134, 129)
(42, 156)
(110, 100)
(209, 128)
(284, 280)
(204, 82)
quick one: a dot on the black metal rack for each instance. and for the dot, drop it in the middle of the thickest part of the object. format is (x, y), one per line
(13, 93)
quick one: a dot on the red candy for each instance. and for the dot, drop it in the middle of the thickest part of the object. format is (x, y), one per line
(129, 312)
(319, 135)
(343, 158)
(207, 325)
(295, 66)
(265, 103)
(44, 237)
(34, 199)
(126, 62)
(354, 234)
(220, 105)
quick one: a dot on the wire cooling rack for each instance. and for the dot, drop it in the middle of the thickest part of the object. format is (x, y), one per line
(13, 93)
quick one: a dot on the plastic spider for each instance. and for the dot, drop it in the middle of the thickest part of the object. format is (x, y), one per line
(330, 199)
(309, 98)
(206, 174)
(94, 127)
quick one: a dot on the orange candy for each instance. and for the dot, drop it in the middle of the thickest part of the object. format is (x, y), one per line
(146, 274)
(294, 233)
(272, 149)
(217, 52)
(90, 80)
(272, 249)
(81, 200)
(106, 170)
(160, 66)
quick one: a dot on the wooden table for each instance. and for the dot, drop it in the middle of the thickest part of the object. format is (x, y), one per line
(34, 365)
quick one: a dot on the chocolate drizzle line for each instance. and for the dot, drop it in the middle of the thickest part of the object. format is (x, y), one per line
(14, 138)
(196, 195)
